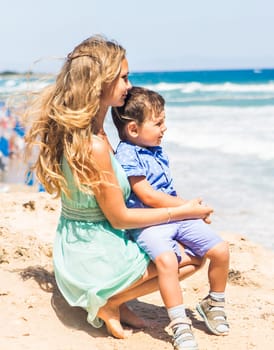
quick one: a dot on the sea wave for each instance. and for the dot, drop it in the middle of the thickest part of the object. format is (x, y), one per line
(243, 132)
(20, 83)
(260, 149)
(13, 86)
(194, 87)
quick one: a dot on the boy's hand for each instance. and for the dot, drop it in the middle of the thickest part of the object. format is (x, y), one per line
(197, 210)
(207, 220)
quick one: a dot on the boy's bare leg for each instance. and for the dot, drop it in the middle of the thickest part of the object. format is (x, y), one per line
(211, 308)
(218, 267)
(148, 283)
(168, 279)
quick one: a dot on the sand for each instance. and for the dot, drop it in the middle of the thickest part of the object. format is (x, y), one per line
(35, 316)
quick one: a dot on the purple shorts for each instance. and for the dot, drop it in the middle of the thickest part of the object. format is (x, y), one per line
(195, 235)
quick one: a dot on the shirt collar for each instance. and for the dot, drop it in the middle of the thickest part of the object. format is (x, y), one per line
(154, 149)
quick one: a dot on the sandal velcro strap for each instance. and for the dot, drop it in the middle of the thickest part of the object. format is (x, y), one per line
(214, 320)
(180, 320)
(215, 303)
(186, 334)
(183, 337)
(177, 322)
(216, 314)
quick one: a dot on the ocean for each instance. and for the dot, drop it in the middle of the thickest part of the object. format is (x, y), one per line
(219, 141)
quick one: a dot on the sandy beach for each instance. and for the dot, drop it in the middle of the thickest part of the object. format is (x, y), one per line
(35, 316)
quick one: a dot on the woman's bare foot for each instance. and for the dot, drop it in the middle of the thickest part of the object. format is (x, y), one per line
(111, 316)
(129, 318)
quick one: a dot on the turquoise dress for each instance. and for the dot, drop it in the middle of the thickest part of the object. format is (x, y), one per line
(92, 260)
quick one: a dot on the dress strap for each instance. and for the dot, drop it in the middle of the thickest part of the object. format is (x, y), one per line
(82, 214)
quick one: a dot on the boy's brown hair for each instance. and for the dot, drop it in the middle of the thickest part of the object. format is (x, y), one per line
(140, 103)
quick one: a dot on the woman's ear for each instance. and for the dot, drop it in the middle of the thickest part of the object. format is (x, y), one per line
(132, 129)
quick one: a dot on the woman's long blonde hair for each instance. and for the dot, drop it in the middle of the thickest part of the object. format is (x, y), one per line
(65, 115)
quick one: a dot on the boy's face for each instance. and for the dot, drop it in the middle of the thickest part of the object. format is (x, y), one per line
(151, 132)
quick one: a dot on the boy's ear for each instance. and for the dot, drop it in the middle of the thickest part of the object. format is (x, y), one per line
(132, 129)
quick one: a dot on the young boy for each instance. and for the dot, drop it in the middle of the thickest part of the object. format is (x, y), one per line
(141, 126)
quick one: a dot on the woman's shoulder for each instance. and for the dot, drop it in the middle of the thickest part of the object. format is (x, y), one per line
(101, 151)
(99, 146)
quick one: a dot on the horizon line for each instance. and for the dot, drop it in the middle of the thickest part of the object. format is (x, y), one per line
(186, 70)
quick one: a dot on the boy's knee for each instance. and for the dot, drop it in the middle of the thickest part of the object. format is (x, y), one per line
(167, 261)
(220, 251)
(224, 249)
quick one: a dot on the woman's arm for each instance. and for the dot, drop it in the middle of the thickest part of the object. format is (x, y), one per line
(111, 201)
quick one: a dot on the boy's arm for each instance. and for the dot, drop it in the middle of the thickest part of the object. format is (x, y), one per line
(150, 197)
(157, 199)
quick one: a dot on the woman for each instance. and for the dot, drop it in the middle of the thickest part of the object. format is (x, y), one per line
(96, 266)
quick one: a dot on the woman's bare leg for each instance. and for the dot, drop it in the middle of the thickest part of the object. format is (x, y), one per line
(110, 312)
(148, 283)
(129, 317)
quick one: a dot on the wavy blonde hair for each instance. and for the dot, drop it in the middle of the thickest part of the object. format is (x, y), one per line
(64, 115)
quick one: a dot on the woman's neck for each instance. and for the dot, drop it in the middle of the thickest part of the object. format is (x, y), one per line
(98, 122)
(98, 126)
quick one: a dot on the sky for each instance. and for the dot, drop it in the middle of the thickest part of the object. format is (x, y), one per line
(158, 35)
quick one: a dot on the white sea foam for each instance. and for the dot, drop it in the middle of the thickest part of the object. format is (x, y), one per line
(206, 99)
(193, 87)
(17, 85)
(12, 86)
(239, 131)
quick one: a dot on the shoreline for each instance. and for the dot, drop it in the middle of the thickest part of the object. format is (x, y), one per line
(36, 315)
